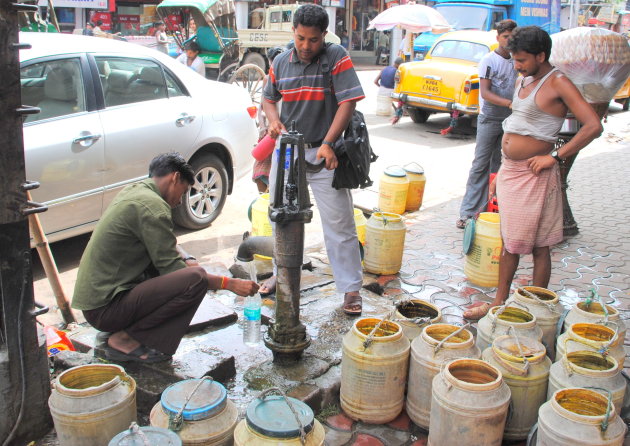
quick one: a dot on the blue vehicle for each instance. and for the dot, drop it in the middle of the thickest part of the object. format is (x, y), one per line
(483, 14)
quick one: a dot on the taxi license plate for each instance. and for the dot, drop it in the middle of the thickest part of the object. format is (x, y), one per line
(431, 87)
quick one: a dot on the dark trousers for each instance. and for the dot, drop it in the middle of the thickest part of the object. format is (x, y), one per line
(157, 312)
(379, 51)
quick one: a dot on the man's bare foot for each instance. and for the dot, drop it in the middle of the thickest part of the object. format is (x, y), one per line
(268, 286)
(478, 310)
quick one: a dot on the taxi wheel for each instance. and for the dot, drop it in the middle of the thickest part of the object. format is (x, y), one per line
(626, 104)
(418, 115)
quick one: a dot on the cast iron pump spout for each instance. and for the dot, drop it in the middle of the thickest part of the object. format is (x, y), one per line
(290, 210)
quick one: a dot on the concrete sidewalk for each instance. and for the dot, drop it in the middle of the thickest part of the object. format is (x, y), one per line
(597, 258)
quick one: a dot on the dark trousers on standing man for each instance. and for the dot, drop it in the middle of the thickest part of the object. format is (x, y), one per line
(157, 312)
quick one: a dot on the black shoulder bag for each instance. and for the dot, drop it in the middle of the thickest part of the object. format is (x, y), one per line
(352, 148)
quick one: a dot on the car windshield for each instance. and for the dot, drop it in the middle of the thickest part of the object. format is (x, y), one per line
(462, 17)
(460, 49)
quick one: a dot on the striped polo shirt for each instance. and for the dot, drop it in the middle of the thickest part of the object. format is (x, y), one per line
(301, 88)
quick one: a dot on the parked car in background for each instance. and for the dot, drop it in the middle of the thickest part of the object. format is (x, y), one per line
(107, 108)
(447, 79)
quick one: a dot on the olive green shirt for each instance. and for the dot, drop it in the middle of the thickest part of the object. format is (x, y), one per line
(135, 231)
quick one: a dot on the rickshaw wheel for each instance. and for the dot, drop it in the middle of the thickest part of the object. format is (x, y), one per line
(250, 77)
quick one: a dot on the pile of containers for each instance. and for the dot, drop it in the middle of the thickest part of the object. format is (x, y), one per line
(495, 387)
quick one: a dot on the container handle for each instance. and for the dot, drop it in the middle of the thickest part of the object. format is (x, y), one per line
(279, 391)
(604, 425)
(501, 309)
(413, 163)
(177, 422)
(531, 295)
(516, 370)
(530, 435)
(370, 337)
(595, 296)
(437, 348)
(134, 429)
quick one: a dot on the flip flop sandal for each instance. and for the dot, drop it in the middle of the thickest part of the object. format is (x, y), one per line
(352, 301)
(135, 355)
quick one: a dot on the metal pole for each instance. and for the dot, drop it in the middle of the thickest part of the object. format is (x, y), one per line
(24, 378)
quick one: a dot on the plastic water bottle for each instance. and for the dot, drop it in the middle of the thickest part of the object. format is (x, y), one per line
(251, 334)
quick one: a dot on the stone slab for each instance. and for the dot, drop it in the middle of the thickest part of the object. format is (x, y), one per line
(211, 313)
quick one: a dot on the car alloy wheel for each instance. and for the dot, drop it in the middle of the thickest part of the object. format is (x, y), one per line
(205, 199)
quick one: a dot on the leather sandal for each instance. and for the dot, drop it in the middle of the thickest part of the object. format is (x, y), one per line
(152, 355)
(350, 304)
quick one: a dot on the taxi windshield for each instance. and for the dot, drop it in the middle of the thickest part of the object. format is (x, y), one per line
(459, 49)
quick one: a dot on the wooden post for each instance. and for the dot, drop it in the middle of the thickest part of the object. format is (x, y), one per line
(50, 267)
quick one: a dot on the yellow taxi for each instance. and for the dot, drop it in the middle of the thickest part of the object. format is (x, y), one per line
(623, 95)
(446, 80)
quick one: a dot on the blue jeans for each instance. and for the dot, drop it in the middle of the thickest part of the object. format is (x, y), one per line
(487, 160)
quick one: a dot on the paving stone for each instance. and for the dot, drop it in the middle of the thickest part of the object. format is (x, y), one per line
(402, 422)
(388, 436)
(336, 438)
(340, 422)
(309, 394)
(67, 359)
(329, 384)
(367, 440)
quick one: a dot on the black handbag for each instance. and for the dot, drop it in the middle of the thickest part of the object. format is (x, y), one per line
(352, 149)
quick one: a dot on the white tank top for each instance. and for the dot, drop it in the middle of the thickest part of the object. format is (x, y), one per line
(529, 120)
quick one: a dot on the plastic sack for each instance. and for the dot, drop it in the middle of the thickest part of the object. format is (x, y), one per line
(56, 341)
(596, 60)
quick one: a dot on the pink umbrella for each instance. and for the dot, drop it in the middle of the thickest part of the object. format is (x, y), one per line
(414, 18)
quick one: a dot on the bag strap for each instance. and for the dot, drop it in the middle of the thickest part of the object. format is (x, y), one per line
(325, 63)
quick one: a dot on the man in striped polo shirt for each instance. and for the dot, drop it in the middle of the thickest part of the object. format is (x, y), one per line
(297, 78)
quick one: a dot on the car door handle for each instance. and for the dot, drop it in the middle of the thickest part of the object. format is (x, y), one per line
(86, 140)
(184, 119)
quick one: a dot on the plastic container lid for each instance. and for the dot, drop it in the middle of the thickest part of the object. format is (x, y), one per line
(210, 399)
(272, 417)
(395, 171)
(414, 168)
(156, 436)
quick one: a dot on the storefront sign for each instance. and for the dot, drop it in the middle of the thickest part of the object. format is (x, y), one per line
(92, 4)
(104, 17)
(334, 3)
(128, 18)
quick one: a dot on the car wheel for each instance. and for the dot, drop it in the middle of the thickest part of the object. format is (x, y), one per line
(418, 115)
(626, 104)
(205, 199)
(256, 59)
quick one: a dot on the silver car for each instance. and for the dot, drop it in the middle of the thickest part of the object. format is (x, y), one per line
(107, 108)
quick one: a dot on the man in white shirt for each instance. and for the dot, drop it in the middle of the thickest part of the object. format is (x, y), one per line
(497, 79)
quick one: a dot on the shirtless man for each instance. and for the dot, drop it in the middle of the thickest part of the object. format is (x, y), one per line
(528, 183)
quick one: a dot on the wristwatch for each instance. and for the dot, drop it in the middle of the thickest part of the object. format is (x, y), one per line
(556, 156)
(329, 143)
(189, 258)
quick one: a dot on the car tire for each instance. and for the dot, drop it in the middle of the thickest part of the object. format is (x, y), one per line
(256, 59)
(625, 105)
(418, 115)
(205, 199)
